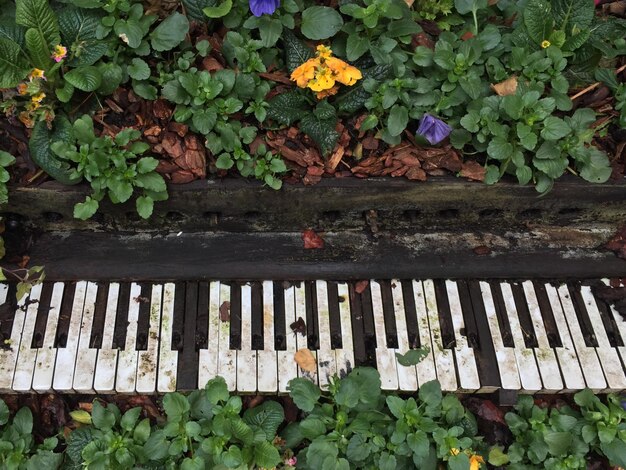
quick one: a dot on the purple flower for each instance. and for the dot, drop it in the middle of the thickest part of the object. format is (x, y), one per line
(263, 7)
(432, 129)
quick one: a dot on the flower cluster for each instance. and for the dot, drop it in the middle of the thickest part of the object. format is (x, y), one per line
(33, 89)
(321, 73)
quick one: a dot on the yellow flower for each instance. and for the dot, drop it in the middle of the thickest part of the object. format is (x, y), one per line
(304, 73)
(323, 52)
(60, 52)
(545, 44)
(345, 73)
(36, 73)
(475, 461)
(38, 98)
(455, 451)
(323, 80)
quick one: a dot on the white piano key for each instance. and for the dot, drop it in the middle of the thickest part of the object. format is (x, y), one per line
(326, 359)
(426, 368)
(546, 359)
(385, 357)
(267, 360)
(407, 376)
(530, 377)
(287, 367)
(106, 362)
(246, 356)
(66, 357)
(573, 377)
(609, 358)
(26, 354)
(227, 358)
(302, 341)
(86, 356)
(443, 357)
(587, 356)
(621, 326)
(507, 364)
(168, 358)
(345, 355)
(207, 361)
(46, 355)
(465, 360)
(126, 379)
(8, 356)
(148, 359)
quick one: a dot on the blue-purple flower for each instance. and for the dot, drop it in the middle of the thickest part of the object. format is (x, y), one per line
(263, 7)
(432, 129)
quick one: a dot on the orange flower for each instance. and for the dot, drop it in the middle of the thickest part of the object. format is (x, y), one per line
(476, 461)
(323, 52)
(304, 73)
(323, 80)
(22, 89)
(345, 73)
(26, 119)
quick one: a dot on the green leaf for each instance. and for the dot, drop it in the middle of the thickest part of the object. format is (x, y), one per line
(142, 431)
(138, 69)
(37, 49)
(554, 128)
(129, 419)
(86, 78)
(204, 120)
(499, 148)
(320, 22)
(538, 19)
(23, 422)
(170, 33)
(39, 146)
(101, 417)
(268, 416)
(130, 31)
(570, 14)
(12, 32)
(266, 455)
(418, 443)
(356, 46)
(13, 65)
(65, 93)
(224, 162)
(466, 6)
(524, 174)
(270, 30)
(615, 451)
(81, 416)
(151, 181)
(6, 159)
(558, 442)
(304, 394)
(497, 457)
(219, 11)
(296, 51)
(84, 210)
(397, 120)
(527, 137)
(38, 14)
(288, 107)
(111, 77)
(322, 131)
(77, 441)
(430, 393)
(412, 356)
(217, 391)
(175, 406)
(78, 33)
(194, 8)
(513, 105)
(144, 90)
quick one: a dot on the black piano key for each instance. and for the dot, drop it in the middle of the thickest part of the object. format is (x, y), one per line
(281, 328)
(469, 321)
(369, 326)
(143, 319)
(411, 314)
(485, 354)
(388, 314)
(235, 316)
(334, 319)
(178, 320)
(257, 316)
(42, 315)
(7, 314)
(187, 377)
(445, 318)
(121, 316)
(503, 319)
(65, 314)
(613, 333)
(99, 314)
(552, 330)
(312, 327)
(525, 320)
(581, 313)
(202, 319)
(358, 332)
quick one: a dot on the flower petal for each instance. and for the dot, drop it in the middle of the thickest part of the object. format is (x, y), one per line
(263, 7)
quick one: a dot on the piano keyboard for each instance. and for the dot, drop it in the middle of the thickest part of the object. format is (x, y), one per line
(88, 337)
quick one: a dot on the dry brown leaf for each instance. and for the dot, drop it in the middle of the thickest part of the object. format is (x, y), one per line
(312, 240)
(473, 170)
(360, 286)
(225, 311)
(298, 326)
(305, 359)
(507, 87)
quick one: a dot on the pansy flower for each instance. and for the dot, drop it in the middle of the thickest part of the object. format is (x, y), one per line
(263, 7)
(60, 52)
(36, 73)
(432, 129)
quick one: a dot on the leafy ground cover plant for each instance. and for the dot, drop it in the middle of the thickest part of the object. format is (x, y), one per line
(353, 425)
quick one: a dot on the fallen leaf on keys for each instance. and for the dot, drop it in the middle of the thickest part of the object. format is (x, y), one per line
(305, 359)
(140, 299)
(412, 356)
(360, 286)
(81, 416)
(312, 240)
(225, 311)
(617, 244)
(298, 326)
(482, 250)
(507, 87)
